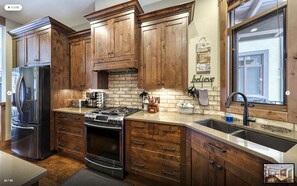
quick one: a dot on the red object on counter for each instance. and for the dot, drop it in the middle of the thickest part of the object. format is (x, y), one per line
(153, 106)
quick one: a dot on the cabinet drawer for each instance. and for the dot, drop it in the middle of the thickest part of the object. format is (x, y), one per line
(140, 129)
(168, 133)
(79, 131)
(78, 118)
(70, 142)
(158, 167)
(163, 148)
(63, 116)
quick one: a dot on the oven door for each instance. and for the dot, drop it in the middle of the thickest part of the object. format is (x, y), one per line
(104, 145)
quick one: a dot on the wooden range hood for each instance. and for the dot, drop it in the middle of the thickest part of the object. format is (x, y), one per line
(115, 37)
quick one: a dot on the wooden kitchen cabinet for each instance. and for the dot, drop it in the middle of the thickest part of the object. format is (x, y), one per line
(156, 151)
(216, 163)
(82, 75)
(70, 134)
(114, 36)
(164, 61)
(19, 52)
(38, 48)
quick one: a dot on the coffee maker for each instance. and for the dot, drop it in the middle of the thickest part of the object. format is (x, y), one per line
(96, 99)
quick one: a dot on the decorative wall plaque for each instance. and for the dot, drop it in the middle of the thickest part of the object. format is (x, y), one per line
(203, 56)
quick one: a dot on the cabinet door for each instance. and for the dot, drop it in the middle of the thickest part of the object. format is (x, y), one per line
(122, 37)
(77, 65)
(174, 54)
(101, 49)
(19, 52)
(91, 76)
(151, 56)
(44, 46)
(200, 165)
(31, 49)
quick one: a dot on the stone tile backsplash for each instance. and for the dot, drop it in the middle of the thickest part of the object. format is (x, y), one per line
(123, 91)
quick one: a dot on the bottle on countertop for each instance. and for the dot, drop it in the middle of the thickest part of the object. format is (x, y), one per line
(229, 117)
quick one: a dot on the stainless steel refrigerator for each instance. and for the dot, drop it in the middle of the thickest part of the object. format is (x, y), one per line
(30, 118)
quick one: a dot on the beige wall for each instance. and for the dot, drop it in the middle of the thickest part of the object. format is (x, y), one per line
(9, 26)
(205, 24)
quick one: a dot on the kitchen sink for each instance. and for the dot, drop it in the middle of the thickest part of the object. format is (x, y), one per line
(265, 140)
(220, 126)
(259, 138)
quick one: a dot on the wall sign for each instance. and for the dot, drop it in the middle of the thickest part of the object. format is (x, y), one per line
(203, 56)
(202, 79)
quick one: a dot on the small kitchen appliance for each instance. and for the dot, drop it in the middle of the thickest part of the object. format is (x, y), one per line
(96, 99)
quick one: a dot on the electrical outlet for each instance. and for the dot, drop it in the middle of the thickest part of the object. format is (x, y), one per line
(158, 98)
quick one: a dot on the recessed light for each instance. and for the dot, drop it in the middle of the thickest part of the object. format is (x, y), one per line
(254, 29)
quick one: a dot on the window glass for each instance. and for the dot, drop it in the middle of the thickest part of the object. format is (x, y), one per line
(252, 8)
(258, 60)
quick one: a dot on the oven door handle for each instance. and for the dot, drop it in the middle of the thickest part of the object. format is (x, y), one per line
(104, 166)
(104, 127)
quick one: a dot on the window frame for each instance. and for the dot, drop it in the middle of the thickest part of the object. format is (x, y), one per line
(233, 57)
(285, 113)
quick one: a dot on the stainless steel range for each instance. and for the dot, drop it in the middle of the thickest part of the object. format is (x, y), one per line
(105, 140)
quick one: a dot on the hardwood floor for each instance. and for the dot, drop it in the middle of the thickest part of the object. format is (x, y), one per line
(60, 168)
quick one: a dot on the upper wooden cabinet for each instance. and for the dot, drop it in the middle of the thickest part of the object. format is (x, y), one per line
(33, 43)
(38, 47)
(114, 36)
(164, 53)
(82, 75)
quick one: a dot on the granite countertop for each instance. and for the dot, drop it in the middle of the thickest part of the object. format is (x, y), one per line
(15, 171)
(72, 110)
(261, 151)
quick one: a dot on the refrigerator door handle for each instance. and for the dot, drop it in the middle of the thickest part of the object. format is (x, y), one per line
(17, 96)
(19, 127)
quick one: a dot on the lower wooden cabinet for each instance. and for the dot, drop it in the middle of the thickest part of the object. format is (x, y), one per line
(156, 151)
(70, 134)
(214, 163)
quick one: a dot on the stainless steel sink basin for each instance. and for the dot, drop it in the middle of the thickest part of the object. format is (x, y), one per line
(220, 126)
(259, 138)
(265, 140)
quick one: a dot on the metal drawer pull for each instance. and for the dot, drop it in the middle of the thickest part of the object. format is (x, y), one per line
(169, 173)
(76, 118)
(210, 161)
(77, 148)
(169, 149)
(169, 131)
(62, 128)
(62, 144)
(139, 127)
(138, 143)
(216, 148)
(139, 165)
(219, 166)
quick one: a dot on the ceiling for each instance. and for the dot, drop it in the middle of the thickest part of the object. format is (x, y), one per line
(69, 12)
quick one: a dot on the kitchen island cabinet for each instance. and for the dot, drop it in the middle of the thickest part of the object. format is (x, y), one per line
(15, 171)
